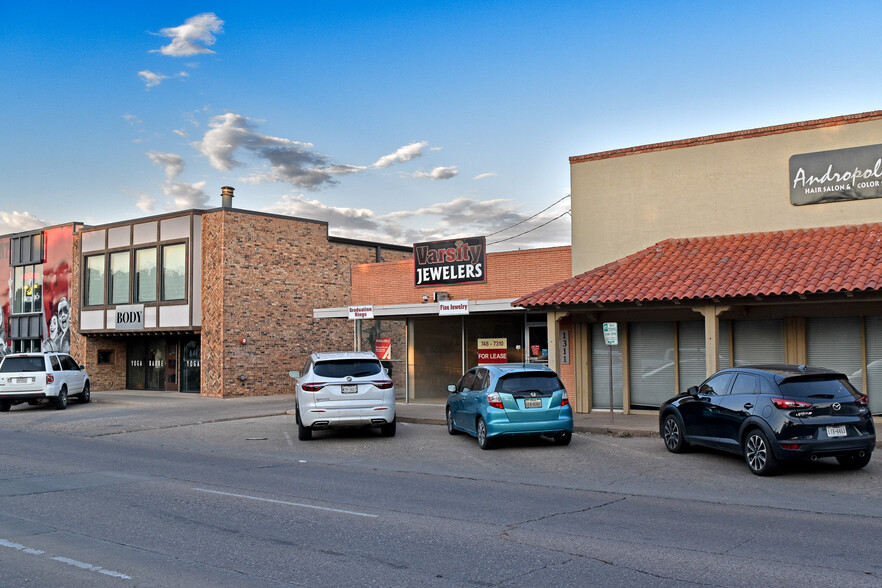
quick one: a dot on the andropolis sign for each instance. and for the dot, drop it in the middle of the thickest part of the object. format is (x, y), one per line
(455, 261)
(833, 176)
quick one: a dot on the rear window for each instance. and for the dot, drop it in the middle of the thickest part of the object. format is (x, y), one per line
(817, 387)
(22, 364)
(543, 383)
(340, 368)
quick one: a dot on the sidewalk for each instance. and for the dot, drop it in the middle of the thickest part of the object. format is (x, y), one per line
(636, 425)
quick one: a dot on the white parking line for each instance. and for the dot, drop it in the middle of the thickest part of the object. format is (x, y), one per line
(66, 560)
(350, 512)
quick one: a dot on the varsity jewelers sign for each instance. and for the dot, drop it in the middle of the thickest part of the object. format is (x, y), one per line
(832, 176)
(456, 261)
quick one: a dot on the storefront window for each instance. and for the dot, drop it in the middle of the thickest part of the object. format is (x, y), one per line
(691, 352)
(758, 342)
(874, 364)
(436, 360)
(494, 327)
(652, 364)
(835, 343)
(119, 277)
(600, 361)
(18, 298)
(94, 282)
(174, 267)
(145, 275)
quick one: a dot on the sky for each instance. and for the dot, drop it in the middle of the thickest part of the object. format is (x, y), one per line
(396, 122)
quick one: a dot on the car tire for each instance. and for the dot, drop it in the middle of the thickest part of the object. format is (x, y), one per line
(86, 394)
(451, 430)
(758, 454)
(484, 441)
(297, 414)
(388, 430)
(563, 438)
(303, 433)
(854, 461)
(60, 401)
(672, 434)
(5, 406)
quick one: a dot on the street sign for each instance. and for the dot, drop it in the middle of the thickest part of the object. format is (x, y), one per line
(611, 333)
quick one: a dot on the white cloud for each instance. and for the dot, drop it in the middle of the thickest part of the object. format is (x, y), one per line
(402, 154)
(146, 202)
(439, 173)
(172, 162)
(151, 79)
(183, 195)
(132, 119)
(484, 176)
(186, 195)
(184, 38)
(181, 132)
(289, 161)
(455, 218)
(14, 222)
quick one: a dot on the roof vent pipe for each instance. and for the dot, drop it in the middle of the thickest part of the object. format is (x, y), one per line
(227, 196)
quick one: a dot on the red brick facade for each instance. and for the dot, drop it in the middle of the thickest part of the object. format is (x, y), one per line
(262, 276)
(510, 274)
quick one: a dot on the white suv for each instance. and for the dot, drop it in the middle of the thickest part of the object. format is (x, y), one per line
(344, 389)
(38, 377)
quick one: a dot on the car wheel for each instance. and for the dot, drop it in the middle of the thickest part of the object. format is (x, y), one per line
(854, 461)
(758, 454)
(563, 438)
(484, 442)
(672, 433)
(5, 406)
(303, 433)
(450, 428)
(86, 394)
(61, 400)
(388, 430)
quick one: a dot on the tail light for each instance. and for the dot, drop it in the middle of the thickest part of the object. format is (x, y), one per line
(564, 400)
(862, 400)
(785, 404)
(790, 446)
(494, 400)
(312, 387)
(383, 384)
(50, 378)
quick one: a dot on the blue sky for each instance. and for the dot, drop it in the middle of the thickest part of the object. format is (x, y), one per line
(397, 122)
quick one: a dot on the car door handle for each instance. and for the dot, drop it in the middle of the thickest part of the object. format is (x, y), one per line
(748, 405)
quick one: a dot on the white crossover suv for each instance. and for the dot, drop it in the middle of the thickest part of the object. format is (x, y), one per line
(41, 377)
(344, 389)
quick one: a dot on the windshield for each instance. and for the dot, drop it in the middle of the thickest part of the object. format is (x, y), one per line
(340, 368)
(544, 383)
(817, 387)
(22, 364)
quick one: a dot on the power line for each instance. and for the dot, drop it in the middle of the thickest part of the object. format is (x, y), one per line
(531, 230)
(526, 219)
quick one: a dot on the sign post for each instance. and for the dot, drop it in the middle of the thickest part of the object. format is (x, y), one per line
(611, 337)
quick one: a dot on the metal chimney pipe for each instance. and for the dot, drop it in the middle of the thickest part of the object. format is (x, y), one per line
(227, 196)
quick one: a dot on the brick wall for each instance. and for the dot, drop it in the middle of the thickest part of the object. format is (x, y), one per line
(262, 277)
(510, 274)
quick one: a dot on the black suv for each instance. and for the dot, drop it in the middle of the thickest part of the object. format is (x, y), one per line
(769, 413)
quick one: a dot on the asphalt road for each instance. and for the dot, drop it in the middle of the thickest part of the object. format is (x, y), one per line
(195, 493)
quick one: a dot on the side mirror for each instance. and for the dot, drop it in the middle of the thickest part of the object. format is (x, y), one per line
(692, 391)
(451, 388)
(82, 367)
(294, 374)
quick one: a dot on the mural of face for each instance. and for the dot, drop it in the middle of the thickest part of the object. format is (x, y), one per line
(53, 327)
(64, 314)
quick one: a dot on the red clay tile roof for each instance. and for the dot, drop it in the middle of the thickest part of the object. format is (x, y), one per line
(802, 261)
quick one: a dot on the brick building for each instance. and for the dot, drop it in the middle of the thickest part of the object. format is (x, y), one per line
(447, 325)
(216, 301)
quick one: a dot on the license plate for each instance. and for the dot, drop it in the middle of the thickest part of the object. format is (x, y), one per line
(349, 388)
(532, 403)
(836, 431)
(23, 380)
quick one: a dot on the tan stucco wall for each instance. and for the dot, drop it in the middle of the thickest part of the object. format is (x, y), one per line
(621, 205)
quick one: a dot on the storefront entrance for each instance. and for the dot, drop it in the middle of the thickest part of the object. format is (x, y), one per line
(152, 364)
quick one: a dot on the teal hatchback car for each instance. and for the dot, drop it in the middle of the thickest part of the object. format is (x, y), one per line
(494, 401)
